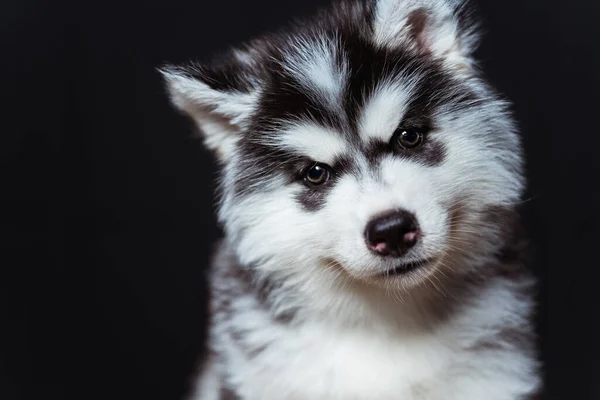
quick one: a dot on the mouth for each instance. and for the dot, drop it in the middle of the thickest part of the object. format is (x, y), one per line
(405, 268)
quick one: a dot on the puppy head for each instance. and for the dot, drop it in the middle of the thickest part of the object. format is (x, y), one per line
(361, 144)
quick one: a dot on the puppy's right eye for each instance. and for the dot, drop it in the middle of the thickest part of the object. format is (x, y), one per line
(317, 174)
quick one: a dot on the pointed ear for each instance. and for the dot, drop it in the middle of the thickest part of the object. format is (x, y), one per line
(220, 98)
(444, 29)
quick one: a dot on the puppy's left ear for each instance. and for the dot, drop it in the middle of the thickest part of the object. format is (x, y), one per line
(219, 97)
(443, 29)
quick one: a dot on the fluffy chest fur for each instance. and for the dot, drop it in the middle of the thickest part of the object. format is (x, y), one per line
(481, 351)
(318, 361)
(322, 363)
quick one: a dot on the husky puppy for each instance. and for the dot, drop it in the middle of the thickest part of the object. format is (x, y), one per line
(368, 191)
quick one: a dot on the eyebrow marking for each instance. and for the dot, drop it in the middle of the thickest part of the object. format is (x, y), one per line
(384, 110)
(313, 141)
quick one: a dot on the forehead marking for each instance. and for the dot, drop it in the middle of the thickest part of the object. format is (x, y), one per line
(319, 67)
(384, 110)
(314, 141)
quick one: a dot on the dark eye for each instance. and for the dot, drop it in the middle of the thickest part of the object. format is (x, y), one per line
(408, 138)
(318, 174)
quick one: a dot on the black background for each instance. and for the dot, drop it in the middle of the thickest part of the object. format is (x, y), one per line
(107, 208)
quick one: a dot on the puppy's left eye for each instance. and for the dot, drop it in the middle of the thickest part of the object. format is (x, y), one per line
(408, 138)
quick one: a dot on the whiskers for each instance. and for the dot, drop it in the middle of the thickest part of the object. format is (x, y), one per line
(333, 269)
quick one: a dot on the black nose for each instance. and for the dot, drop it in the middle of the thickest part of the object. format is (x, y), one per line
(392, 234)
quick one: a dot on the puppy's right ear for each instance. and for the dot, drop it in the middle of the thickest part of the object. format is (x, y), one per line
(220, 98)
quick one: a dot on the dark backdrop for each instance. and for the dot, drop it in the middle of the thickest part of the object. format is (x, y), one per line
(107, 216)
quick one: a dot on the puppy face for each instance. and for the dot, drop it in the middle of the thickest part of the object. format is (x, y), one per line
(362, 144)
